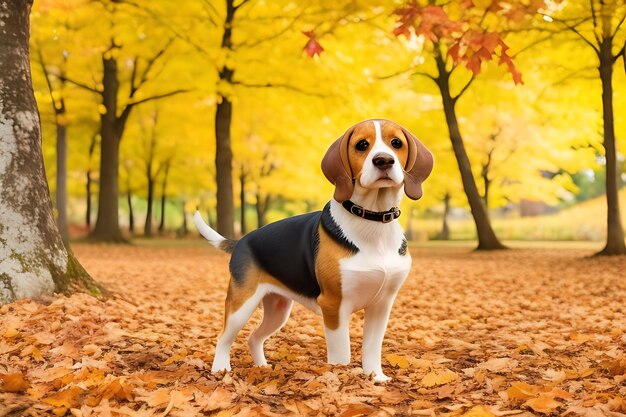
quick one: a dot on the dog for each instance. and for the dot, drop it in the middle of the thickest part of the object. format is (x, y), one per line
(350, 256)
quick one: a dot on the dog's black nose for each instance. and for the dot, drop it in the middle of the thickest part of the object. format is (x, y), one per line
(383, 161)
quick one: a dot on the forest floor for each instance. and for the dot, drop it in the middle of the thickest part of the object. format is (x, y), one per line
(521, 332)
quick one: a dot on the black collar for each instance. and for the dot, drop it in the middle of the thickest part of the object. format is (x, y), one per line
(377, 216)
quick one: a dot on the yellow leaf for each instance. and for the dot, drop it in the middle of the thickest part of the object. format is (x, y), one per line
(397, 360)
(478, 411)
(13, 382)
(543, 404)
(11, 332)
(68, 398)
(182, 354)
(521, 391)
(435, 378)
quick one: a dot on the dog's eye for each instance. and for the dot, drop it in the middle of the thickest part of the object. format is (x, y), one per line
(362, 145)
(396, 143)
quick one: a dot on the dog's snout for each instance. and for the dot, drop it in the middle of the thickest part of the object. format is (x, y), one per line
(383, 161)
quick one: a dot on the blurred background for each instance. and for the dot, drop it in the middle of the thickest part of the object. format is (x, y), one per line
(153, 108)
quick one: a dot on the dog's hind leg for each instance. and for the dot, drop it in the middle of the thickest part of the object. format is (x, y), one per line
(276, 309)
(233, 323)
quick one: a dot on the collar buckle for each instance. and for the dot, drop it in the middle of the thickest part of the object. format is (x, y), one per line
(357, 210)
(387, 217)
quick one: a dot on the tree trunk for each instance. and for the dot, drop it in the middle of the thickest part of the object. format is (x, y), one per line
(242, 197)
(185, 229)
(223, 151)
(92, 147)
(107, 224)
(33, 259)
(444, 234)
(147, 228)
(615, 233)
(61, 191)
(487, 239)
(88, 200)
(164, 196)
(261, 208)
(131, 213)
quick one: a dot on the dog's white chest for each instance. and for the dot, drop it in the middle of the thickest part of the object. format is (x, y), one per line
(368, 277)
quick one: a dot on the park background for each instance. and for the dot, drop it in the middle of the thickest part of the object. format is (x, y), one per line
(165, 84)
(150, 109)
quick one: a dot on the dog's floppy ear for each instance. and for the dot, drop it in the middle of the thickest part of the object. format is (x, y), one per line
(336, 167)
(419, 164)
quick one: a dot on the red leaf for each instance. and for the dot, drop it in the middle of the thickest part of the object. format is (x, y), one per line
(312, 47)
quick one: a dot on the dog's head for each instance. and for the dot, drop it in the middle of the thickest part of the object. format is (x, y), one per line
(377, 154)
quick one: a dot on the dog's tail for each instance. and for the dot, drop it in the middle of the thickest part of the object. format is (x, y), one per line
(214, 238)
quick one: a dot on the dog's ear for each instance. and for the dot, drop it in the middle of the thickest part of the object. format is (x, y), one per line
(419, 164)
(336, 167)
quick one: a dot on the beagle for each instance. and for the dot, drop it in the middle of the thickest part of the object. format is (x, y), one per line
(352, 255)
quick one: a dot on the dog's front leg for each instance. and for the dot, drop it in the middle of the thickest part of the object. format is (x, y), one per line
(337, 331)
(376, 318)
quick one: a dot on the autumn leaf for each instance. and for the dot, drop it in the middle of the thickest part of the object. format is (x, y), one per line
(14, 382)
(312, 46)
(478, 411)
(439, 377)
(544, 403)
(521, 391)
(180, 355)
(397, 360)
(68, 398)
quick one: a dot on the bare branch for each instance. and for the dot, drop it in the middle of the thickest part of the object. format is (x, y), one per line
(150, 63)
(622, 52)
(278, 85)
(464, 89)
(621, 22)
(46, 76)
(79, 84)
(576, 31)
(243, 2)
(595, 21)
(533, 44)
(271, 37)
(158, 97)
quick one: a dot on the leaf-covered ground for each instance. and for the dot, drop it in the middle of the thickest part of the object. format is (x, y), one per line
(524, 332)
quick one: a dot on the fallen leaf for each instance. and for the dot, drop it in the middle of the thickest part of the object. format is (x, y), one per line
(14, 382)
(435, 378)
(544, 403)
(67, 398)
(397, 361)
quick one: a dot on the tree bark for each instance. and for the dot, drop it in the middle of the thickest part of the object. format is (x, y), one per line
(242, 197)
(61, 191)
(131, 213)
(223, 151)
(261, 208)
(107, 223)
(444, 234)
(487, 239)
(33, 259)
(164, 196)
(615, 233)
(185, 229)
(147, 228)
(92, 147)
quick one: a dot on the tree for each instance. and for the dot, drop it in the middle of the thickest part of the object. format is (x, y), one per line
(458, 35)
(600, 26)
(33, 259)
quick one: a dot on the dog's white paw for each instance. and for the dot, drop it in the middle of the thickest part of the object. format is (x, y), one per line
(220, 368)
(378, 377)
